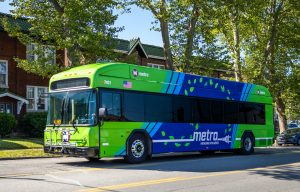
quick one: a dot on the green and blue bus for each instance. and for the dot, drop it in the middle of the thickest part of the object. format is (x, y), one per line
(124, 110)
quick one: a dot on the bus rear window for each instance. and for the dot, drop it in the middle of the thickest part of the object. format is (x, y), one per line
(69, 83)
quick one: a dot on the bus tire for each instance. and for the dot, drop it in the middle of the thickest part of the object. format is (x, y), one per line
(247, 145)
(137, 149)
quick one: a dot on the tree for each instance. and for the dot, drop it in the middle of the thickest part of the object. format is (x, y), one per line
(81, 28)
(161, 11)
(272, 52)
(194, 47)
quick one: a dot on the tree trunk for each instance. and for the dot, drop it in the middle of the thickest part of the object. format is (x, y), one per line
(166, 43)
(280, 108)
(190, 37)
(236, 47)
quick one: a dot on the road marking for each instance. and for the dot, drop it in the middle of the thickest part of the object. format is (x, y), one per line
(63, 179)
(175, 179)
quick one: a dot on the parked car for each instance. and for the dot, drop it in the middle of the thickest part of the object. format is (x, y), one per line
(290, 136)
(292, 126)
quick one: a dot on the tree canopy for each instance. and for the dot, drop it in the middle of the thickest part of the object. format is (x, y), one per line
(82, 29)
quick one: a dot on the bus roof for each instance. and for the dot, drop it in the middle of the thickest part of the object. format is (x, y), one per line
(140, 78)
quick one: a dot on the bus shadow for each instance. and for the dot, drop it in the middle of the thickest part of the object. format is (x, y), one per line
(199, 163)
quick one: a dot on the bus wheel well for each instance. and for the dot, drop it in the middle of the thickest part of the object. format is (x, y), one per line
(251, 133)
(147, 137)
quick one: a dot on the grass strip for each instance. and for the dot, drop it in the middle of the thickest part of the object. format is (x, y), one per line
(24, 153)
(21, 144)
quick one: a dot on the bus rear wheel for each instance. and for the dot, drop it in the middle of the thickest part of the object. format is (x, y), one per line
(247, 144)
(137, 149)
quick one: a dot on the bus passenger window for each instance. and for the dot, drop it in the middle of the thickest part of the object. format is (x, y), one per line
(112, 102)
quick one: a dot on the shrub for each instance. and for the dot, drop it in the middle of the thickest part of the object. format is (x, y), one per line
(33, 124)
(7, 123)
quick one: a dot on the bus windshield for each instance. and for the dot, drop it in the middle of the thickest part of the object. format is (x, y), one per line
(72, 107)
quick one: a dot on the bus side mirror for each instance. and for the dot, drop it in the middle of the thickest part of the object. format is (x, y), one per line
(102, 112)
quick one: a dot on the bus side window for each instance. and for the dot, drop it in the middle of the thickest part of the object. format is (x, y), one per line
(217, 112)
(182, 110)
(112, 102)
(133, 106)
(202, 111)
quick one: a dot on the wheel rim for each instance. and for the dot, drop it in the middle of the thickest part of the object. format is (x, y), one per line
(137, 148)
(248, 144)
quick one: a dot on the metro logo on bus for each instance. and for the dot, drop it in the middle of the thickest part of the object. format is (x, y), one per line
(210, 138)
(135, 73)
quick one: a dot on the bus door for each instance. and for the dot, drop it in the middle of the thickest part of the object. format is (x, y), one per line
(111, 100)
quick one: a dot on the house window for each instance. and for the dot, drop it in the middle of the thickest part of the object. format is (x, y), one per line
(156, 66)
(36, 98)
(6, 108)
(49, 52)
(3, 73)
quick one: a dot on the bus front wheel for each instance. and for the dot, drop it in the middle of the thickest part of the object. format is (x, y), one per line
(247, 147)
(137, 149)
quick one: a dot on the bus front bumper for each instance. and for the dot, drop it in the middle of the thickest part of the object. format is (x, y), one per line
(72, 151)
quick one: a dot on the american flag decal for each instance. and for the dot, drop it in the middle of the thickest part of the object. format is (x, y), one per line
(127, 84)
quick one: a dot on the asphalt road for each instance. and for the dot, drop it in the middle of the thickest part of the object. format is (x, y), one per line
(271, 169)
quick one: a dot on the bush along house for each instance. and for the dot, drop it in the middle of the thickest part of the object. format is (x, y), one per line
(21, 92)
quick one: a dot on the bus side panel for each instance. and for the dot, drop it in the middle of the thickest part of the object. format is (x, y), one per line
(263, 134)
(113, 137)
(181, 137)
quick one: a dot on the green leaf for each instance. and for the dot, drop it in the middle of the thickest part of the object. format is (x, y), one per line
(165, 143)
(182, 137)
(195, 80)
(186, 92)
(171, 137)
(177, 144)
(192, 89)
(200, 80)
(187, 144)
(216, 85)
(189, 82)
(197, 126)
(163, 133)
(222, 88)
(211, 82)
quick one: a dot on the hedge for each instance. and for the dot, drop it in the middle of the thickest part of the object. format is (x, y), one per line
(33, 124)
(7, 123)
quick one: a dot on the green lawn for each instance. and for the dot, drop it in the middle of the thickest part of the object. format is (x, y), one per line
(21, 144)
(20, 148)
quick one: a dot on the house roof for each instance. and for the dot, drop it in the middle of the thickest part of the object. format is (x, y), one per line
(14, 96)
(150, 51)
(124, 46)
(21, 22)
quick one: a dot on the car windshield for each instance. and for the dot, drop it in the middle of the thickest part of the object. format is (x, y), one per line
(72, 107)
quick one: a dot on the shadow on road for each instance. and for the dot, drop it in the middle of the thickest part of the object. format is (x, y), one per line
(290, 173)
(219, 162)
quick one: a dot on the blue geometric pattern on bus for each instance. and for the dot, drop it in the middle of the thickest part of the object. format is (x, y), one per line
(198, 86)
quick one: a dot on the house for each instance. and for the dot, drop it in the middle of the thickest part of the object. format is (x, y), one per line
(20, 92)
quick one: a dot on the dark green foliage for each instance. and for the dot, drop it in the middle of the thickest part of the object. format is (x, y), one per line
(33, 124)
(7, 123)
